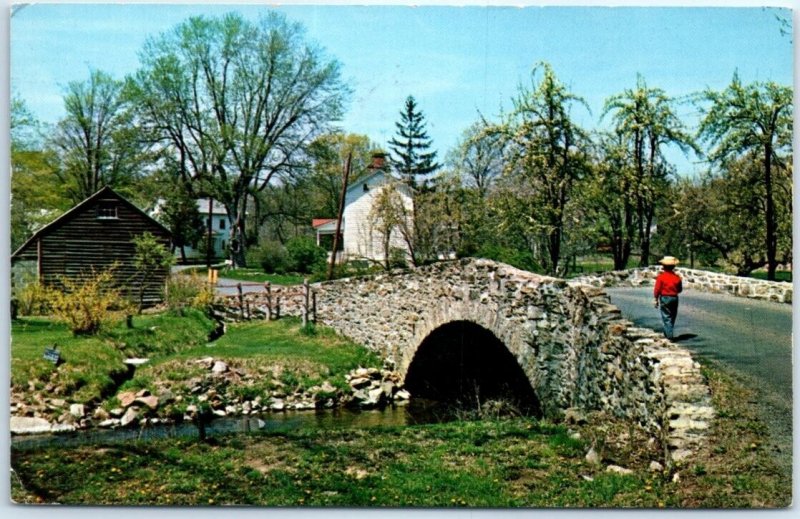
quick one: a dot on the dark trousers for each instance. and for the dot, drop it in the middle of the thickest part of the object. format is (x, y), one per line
(669, 311)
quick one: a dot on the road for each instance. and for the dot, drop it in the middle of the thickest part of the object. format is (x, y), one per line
(752, 337)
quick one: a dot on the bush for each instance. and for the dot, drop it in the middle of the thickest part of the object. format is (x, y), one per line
(30, 297)
(272, 257)
(86, 305)
(304, 255)
(190, 291)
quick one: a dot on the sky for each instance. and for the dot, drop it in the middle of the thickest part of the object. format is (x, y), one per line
(458, 62)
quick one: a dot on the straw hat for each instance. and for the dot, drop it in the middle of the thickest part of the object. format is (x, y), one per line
(669, 260)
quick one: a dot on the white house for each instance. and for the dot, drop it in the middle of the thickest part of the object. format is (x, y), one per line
(362, 230)
(220, 229)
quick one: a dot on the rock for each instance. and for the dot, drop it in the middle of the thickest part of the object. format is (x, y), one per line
(219, 367)
(143, 392)
(359, 382)
(100, 414)
(402, 395)
(261, 423)
(111, 422)
(191, 409)
(62, 427)
(277, 404)
(77, 410)
(246, 406)
(135, 362)
(126, 398)
(681, 454)
(220, 413)
(616, 469)
(166, 397)
(676, 478)
(592, 457)
(327, 387)
(58, 402)
(150, 401)
(117, 412)
(574, 416)
(130, 416)
(656, 466)
(26, 425)
(388, 388)
(575, 435)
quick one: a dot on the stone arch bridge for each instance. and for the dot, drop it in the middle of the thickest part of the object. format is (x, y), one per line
(561, 345)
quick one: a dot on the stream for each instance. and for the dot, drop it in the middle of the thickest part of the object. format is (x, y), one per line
(411, 414)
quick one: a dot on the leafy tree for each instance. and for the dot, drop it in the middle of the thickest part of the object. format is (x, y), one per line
(752, 120)
(478, 158)
(646, 118)
(544, 160)
(409, 147)
(36, 198)
(150, 257)
(236, 103)
(96, 142)
(613, 212)
(179, 213)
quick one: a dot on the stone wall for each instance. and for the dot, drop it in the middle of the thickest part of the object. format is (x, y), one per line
(571, 343)
(777, 291)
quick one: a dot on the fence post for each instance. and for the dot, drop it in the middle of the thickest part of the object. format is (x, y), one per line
(277, 307)
(314, 306)
(241, 300)
(305, 302)
(268, 288)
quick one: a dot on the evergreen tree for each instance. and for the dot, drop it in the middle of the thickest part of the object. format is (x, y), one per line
(409, 147)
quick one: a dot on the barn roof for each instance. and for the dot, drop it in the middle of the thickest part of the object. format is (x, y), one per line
(105, 192)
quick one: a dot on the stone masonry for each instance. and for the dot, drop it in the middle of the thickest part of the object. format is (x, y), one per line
(701, 280)
(570, 341)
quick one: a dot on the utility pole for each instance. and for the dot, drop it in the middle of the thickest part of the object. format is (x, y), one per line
(209, 244)
(346, 175)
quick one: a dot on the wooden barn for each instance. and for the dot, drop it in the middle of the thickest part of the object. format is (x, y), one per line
(93, 235)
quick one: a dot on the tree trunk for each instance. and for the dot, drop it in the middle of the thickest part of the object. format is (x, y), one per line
(772, 239)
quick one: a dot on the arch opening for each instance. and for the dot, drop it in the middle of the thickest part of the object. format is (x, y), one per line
(465, 365)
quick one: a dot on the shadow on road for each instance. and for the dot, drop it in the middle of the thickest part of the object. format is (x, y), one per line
(684, 337)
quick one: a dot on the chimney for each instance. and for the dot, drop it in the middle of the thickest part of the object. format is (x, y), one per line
(378, 161)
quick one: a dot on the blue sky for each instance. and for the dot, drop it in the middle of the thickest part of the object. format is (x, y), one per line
(456, 61)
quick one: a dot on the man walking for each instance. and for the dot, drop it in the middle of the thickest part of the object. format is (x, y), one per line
(668, 286)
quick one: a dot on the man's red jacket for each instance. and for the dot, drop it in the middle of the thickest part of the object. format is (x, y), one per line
(667, 284)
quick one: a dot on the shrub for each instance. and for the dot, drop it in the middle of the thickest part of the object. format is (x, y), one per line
(272, 257)
(188, 291)
(305, 256)
(87, 304)
(31, 297)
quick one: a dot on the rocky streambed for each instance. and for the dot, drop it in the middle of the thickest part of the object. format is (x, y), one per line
(215, 389)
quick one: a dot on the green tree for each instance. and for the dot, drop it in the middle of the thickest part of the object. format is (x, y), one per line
(478, 158)
(150, 257)
(646, 118)
(236, 103)
(544, 160)
(409, 147)
(96, 142)
(180, 214)
(752, 120)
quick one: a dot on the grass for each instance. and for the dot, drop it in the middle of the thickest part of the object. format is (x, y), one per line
(494, 463)
(279, 348)
(93, 364)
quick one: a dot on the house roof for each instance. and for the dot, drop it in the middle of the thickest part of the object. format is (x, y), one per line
(58, 222)
(216, 207)
(319, 222)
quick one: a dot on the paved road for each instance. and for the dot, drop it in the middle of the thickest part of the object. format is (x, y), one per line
(752, 337)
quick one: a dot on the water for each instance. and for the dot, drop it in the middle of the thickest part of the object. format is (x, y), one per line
(412, 414)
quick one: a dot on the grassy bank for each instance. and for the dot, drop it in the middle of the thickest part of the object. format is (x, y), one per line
(91, 364)
(493, 463)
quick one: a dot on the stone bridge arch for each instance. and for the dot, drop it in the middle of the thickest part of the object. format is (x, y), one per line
(569, 341)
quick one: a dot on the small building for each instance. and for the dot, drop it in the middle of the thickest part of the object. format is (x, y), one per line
(92, 236)
(363, 235)
(220, 230)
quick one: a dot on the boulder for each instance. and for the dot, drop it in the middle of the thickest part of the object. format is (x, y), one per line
(77, 410)
(26, 425)
(117, 412)
(126, 398)
(129, 416)
(150, 401)
(402, 395)
(592, 457)
(616, 469)
(219, 367)
(359, 382)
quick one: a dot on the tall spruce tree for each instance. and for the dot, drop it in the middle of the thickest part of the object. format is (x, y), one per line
(408, 149)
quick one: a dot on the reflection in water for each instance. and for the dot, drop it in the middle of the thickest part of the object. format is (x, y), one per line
(416, 412)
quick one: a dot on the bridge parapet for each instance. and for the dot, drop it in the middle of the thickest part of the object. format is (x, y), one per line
(702, 280)
(569, 340)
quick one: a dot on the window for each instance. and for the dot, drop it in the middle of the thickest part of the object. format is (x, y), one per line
(222, 223)
(107, 210)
